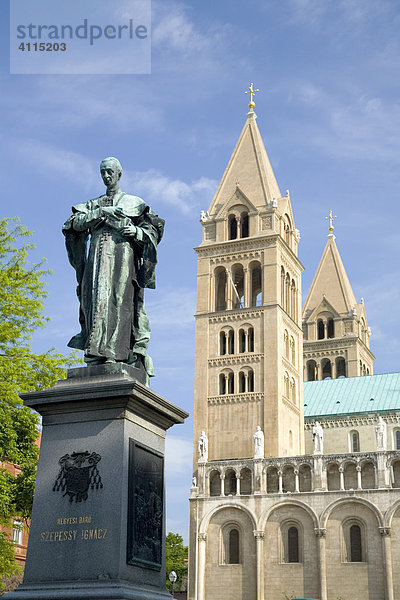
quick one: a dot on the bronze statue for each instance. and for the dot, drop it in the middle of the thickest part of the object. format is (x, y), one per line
(124, 233)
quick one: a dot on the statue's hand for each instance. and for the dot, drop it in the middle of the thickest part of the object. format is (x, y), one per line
(129, 231)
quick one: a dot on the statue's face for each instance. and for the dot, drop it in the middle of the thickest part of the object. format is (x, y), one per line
(109, 174)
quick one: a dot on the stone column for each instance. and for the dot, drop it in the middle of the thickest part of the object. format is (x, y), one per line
(201, 565)
(296, 480)
(341, 476)
(212, 293)
(247, 288)
(259, 535)
(237, 485)
(280, 482)
(229, 291)
(222, 477)
(321, 538)
(333, 368)
(359, 483)
(387, 562)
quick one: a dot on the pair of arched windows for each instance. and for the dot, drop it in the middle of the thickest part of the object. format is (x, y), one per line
(325, 329)
(290, 349)
(289, 387)
(364, 370)
(245, 341)
(238, 225)
(245, 382)
(288, 294)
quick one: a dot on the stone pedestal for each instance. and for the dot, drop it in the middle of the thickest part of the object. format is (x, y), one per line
(98, 521)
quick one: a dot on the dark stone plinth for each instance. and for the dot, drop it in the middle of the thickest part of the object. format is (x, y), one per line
(101, 430)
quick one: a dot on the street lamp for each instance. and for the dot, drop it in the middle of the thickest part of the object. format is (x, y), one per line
(172, 577)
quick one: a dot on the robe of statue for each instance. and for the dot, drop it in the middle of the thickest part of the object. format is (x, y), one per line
(111, 277)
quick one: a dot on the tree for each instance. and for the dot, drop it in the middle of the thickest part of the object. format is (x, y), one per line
(22, 295)
(176, 558)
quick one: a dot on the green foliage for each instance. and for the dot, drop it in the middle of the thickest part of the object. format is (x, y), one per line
(286, 596)
(22, 295)
(176, 558)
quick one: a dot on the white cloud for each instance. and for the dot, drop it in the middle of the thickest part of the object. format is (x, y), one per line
(178, 457)
(154, 185)
(56, 163)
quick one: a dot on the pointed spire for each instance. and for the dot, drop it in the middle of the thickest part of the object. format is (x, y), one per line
(249, 168)
(330, 281)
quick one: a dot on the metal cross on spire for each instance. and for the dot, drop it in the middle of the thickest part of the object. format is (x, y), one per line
(331, 217)
(252, 93)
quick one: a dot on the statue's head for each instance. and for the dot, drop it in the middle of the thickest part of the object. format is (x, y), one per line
(111, 171)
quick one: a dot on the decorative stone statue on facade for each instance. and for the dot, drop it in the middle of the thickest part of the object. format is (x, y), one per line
(258, 439)
(318, 438)
(202, 445)
(124, 233)
(380, 433)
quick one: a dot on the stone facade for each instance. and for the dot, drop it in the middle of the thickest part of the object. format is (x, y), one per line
(321, 526)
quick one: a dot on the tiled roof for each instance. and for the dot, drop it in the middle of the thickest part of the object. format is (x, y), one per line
(348, 395)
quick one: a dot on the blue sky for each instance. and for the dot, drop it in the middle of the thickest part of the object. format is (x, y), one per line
(328, 110)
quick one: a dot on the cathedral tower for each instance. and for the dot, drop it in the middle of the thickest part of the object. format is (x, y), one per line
(249, 348)
(336, 332)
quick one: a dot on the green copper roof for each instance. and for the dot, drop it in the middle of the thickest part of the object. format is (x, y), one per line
(346, 395)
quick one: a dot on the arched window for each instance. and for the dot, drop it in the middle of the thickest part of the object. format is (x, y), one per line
(222, 384)
(311, 370)
(245, 481)
(397, 439)
(292, 391)
(354, 440)
(293, 545)
(256, 284)
(230, 483)
(287, 293)
(215, 483)
(355, 544)
(293, 300)
(282, 287)
(250, 381)
(244, 225)
(231, 342)
(286, 342)
(242, 383)
(320, 329)
(232, 227)
(220, 289)
(250, 339)
(286, 385)
(340, 367)
(242, 340)
(222, 343)
(231, 387)
(326, 368)
(233, 547)
(331, 328)
(292, 351)
(238, 282)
